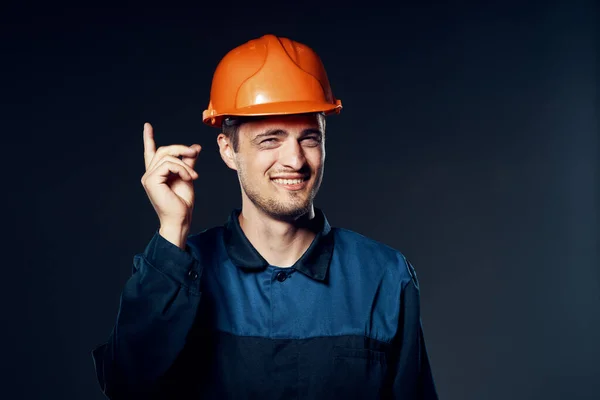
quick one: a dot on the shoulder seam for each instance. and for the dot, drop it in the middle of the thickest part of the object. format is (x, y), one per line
(411, 272)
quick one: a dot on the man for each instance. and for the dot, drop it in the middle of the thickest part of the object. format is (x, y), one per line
(275, 304)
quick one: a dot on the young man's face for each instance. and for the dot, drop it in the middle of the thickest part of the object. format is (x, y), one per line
(280, 162)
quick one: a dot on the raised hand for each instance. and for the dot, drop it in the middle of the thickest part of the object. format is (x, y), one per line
(168, 182)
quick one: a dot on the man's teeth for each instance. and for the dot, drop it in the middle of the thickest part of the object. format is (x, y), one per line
(288, 181)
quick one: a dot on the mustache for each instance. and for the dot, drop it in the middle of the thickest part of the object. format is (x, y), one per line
(302, 171)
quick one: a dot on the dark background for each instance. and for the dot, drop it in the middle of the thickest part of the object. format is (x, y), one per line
(468, 140)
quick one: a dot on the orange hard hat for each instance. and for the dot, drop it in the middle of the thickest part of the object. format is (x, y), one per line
(269, 76)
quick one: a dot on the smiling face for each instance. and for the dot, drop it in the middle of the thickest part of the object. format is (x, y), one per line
(280, 162)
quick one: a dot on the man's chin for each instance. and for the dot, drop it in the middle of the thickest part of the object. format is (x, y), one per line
(288, 213)
(283, 206)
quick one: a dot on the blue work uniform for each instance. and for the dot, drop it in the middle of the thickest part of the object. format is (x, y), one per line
(216, 321)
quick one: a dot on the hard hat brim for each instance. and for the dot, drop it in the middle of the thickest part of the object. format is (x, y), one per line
(281, 108)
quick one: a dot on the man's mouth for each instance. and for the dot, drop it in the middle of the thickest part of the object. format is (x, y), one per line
(288, 181)
(291, 184)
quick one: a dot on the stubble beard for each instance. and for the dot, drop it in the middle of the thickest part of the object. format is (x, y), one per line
(286, 210)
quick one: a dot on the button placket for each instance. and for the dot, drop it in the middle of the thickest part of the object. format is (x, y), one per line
(193, 275)
(281, 276)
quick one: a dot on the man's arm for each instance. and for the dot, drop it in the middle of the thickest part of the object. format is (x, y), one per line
(157, 309)
(412, 377)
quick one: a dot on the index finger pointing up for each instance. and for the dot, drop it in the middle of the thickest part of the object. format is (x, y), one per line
(149, 145)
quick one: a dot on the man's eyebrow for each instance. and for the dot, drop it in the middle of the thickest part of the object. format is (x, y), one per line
(281, 132)
(270, 132)
(311, 130)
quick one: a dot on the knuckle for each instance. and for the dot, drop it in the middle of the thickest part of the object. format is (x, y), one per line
(165, 159)
(176, 160)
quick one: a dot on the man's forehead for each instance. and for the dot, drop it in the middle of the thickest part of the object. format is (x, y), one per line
(289, 123)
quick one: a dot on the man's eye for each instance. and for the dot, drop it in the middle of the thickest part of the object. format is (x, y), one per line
(313, 138)
(269, 140)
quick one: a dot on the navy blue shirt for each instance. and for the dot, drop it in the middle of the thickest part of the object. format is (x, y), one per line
(216, 321)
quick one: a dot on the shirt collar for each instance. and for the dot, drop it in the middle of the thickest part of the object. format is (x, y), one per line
(314, 263)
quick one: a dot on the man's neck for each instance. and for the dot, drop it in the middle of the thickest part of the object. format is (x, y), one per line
(281, 243)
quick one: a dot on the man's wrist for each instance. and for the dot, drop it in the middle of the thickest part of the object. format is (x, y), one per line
(175, 234)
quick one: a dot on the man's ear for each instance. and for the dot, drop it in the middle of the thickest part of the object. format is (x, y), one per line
(226, 151)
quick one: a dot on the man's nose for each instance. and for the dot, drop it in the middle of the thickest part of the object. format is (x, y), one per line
(292, 154)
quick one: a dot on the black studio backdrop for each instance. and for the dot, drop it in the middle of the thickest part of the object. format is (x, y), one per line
(468, 140)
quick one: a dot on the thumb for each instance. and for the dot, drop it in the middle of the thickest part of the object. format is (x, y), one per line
(191, 160)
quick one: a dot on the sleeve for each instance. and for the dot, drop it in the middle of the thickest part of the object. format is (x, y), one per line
(412, 377)
(157, 308)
